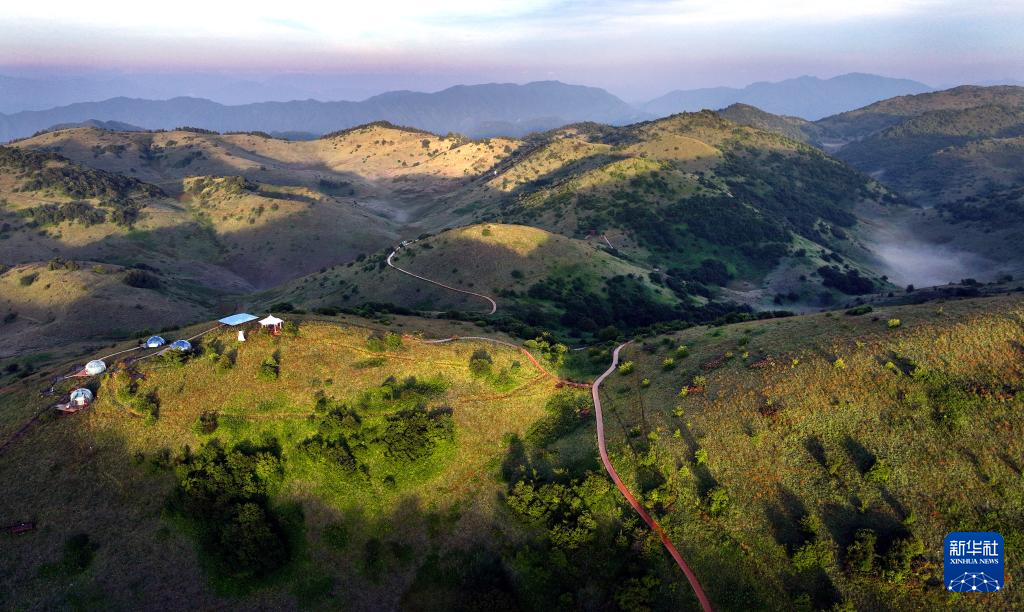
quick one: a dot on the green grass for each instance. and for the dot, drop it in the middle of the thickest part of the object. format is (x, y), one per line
(771, 471)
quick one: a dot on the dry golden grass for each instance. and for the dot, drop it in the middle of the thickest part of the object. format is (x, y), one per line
(90, 302)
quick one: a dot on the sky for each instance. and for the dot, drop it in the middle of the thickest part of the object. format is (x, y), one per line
(634, 48)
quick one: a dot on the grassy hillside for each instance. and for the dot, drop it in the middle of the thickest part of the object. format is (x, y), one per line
(880, 115)
(820, 461)
(793, 128)
(689, 188)
(544, 280)
(332, 464)
(46, 306)
(944, 155)
(714, 210)
(813, 462)
(695, 176)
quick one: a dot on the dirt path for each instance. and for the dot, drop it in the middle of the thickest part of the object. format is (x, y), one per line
(494, 305)
(705, 603)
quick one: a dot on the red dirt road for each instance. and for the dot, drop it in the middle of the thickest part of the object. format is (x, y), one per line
(705, 603)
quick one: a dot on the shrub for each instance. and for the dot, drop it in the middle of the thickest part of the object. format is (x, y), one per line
(626, 368)
(880, 473)
(861, 555)
(899, 558)
(839, 364)
(480, 363)
(701, 455)
(225, 494)
(668, 363)
(700, 380)
(859, 310)
(718, 501)
(141, 279)
(336, 536)
(28, 279)
(270, 369)
(388, 341)
(553, 352)
(224, 362)
(682, 351)
(369, 362)
(894, 323)
(291, 328)
(412, 434)
(562, 417)
(206, 423)
(812, 555)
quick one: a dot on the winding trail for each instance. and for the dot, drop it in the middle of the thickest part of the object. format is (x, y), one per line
(494, 305)
(705, 603)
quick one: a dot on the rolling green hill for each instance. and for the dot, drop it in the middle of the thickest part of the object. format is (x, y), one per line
(811, 462)
(956, 154)
(543, 280)
(714, 210)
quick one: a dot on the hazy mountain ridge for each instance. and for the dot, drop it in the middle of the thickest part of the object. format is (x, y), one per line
(806, 97)
(473, 110)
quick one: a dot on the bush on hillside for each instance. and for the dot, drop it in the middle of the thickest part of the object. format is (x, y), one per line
(480, 363)
(269, 369)
(141, 279)
(225, 494)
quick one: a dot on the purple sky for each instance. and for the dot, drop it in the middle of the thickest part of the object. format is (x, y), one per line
(636, 49)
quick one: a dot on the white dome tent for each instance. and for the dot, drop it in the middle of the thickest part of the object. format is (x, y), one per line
(80, 398)
(96, 366)
(155, 342)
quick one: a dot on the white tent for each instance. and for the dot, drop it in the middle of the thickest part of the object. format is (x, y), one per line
(272, 323)
(81, 397)
(95, 367)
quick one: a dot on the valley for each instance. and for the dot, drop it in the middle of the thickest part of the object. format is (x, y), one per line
(763, 355)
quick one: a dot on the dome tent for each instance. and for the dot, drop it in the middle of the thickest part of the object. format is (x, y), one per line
(155, 342)
(181, 345)
(80, 397)
(94, 367)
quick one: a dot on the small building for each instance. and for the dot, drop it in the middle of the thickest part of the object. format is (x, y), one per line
(272, 324)
(237, 319)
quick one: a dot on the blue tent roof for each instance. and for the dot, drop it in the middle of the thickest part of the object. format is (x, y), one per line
(238, 319)
(181, 345)
(155, 341)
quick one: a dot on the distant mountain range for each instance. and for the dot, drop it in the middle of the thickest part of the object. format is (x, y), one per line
(474, 110)
(806, 97)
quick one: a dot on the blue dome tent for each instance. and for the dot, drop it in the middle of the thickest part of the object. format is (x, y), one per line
(155, 342)
(181, 345)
